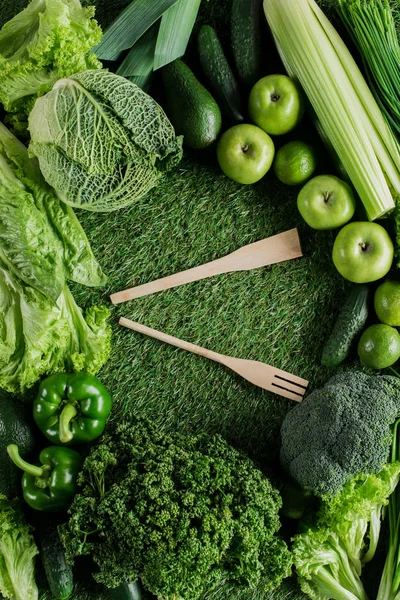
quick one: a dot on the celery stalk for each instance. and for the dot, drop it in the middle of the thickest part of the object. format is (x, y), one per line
(315, 55)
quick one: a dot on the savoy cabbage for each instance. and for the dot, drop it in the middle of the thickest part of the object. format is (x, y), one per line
(101, 141)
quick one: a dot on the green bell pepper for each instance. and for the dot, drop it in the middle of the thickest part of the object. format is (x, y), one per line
(71, 408)
(51, 485)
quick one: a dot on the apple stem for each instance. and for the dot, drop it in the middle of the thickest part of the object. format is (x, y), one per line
(245, 148)
(327, 196)
(363, 246)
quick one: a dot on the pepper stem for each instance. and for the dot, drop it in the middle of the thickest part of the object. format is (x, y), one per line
(67, 414)
(13, 453)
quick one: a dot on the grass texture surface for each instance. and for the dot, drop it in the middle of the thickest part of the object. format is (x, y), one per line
(279, 314)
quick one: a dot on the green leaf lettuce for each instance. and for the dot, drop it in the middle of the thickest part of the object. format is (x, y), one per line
(17, 554)
(48, 40)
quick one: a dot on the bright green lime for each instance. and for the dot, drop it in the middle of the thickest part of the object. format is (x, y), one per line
(379, 346)
(387, 303)
(295, 162)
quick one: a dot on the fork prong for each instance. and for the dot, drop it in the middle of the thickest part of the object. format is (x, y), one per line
(299, 381)
(280, 391)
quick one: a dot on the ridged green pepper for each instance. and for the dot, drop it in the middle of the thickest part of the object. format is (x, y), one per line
(52, 484)
(71, 408)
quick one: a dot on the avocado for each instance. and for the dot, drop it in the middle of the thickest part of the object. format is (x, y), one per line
(190, 107)
(16, 426)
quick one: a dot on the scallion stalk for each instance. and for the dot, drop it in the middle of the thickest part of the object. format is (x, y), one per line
(372, 27)
(315, 55)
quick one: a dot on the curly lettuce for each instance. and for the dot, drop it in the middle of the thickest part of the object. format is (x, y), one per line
(38, 337)
(48, 40)
(17, 554)
(42, 245)
(101, 141)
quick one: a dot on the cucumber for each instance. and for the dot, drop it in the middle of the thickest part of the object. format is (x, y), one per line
(127, 591)
(246, 40)
(221, 80)
(58, 571)
(349, 324)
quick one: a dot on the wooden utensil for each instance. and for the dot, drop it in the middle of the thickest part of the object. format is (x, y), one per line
(275, 249)
(264, 376)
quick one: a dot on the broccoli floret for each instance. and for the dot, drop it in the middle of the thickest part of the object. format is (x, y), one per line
(340, 431)
(183, 513)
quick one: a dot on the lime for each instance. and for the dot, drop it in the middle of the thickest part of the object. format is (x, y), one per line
(295, 162)
(387, 303)
(379, 346)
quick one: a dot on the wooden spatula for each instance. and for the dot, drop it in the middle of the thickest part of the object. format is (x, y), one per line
(275, 249)
(264, 376)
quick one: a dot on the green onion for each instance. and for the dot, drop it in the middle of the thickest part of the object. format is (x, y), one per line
(129, 27)
(175, 30)
(314, 54)
(372, 28)
(140, 60)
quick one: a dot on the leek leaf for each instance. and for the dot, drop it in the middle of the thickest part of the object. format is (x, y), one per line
(129, 27)
(175, 30)
(140, 60)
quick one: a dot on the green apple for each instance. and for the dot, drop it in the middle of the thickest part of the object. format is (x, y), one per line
(276, 104)
(245, 153)
(362, 252)
(326, 202)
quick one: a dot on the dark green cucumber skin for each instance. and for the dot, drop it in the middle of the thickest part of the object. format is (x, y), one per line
(219, 74)
(127, 591)
(350, 322)
(190, 107)
(246, 40)
(58, 572)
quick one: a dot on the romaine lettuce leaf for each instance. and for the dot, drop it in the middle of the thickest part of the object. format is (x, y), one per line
(41, 239)
(17, 554)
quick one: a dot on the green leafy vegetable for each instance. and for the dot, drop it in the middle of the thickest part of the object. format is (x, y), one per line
(101, 141)
(314, 54)
(17, 554)
(175, 30)
(38, 337)
(42, 244)
(184, 513)
(340, 431)
(129, 26)
(343, 536)
(48, 40)
(41, 239)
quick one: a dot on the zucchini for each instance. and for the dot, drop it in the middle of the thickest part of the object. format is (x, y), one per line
(246, 40)
(349, 324)
(127, 591)
(219, 74)
(58, 571)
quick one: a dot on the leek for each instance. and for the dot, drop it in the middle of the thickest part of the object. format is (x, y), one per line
(314, 54)
(372, 28)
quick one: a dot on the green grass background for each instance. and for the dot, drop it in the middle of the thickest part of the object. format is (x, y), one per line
(279, 314)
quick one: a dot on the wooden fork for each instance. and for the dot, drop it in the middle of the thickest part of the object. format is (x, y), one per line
(264, 376)
(275, 249)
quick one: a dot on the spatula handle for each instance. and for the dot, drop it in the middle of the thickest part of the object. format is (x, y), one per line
(173, 341)
(215, 267)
